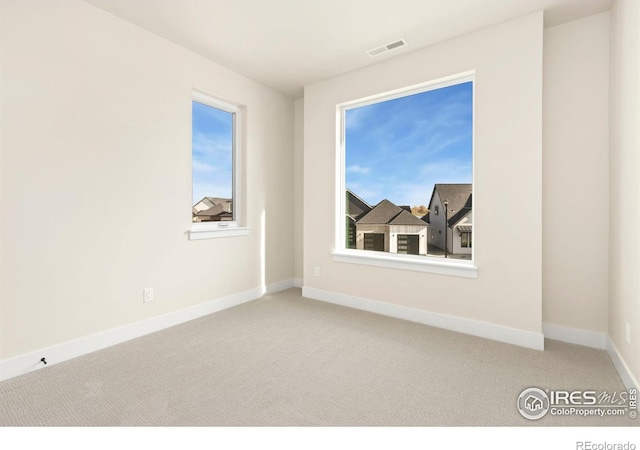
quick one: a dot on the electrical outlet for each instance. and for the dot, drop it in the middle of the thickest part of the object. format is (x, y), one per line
(147, 295)
(628, 332)
(317, 271)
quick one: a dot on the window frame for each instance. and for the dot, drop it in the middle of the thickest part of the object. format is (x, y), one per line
(432, 264)
(235, 227)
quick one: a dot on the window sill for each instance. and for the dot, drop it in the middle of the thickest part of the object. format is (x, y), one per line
(195, 235)
(460, 268)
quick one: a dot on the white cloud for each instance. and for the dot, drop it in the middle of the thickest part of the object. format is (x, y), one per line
(355, 168)
(446, 169)
(358, 116)
(202, 167)
(215, 145)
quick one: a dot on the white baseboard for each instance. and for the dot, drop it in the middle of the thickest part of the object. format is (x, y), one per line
(621, 366)
(593, 339)
(570, 335)
(283, 285)
(486, 330)
(279, 286)
(28, 362)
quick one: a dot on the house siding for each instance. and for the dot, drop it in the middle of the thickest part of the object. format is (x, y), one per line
(436, 236)
(362, 229)
(395, 230)
(455, 243)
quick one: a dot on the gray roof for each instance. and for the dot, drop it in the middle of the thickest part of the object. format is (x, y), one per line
(406, 218)
(213, 211)
(387, 213)
(217, 204)
(216, 200)
(356, 207)
(458, 196)
(457, 217)
(382, 213)
(221, 206)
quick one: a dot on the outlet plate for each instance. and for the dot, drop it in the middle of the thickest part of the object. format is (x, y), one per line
(147, 295)
(316, 271)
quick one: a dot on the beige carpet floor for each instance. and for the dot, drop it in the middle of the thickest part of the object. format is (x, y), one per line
(285, 360)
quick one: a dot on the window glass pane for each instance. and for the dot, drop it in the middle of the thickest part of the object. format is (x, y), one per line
(212, 163)
(465, 240)
(351, 234)
(409, 161)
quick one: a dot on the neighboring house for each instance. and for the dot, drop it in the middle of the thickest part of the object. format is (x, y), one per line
(459, 221)
(391, 228)
(213, 209)
(356, 208)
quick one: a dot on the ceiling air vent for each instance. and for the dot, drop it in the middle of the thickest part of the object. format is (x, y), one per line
(386, 48)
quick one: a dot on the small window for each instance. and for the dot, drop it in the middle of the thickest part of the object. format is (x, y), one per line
(437, 210)
(215, 177)
(351, 234)
(465, 239)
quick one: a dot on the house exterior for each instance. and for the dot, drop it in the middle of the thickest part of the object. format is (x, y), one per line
(356, 208)
(391, 228)
(458, 223)
(213, 209)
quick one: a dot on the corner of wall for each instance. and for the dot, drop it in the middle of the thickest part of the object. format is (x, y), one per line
(624, 195)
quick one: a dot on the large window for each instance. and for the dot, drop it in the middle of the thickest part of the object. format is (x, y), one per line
(408, 156)
(215, 175)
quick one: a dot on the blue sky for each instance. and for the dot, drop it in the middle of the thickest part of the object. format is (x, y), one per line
(212, 159)
(398, 149)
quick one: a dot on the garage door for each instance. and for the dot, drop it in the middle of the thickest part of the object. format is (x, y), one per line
(409, 244)
(374, 241)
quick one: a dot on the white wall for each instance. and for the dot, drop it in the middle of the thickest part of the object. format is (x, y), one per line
(575, 197)
(96, 177)
(507, 59)
(624, 200)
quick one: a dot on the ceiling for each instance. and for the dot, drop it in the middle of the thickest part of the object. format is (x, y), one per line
(287, 44)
